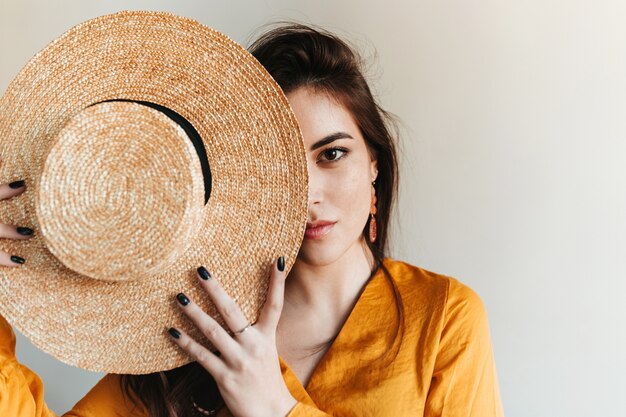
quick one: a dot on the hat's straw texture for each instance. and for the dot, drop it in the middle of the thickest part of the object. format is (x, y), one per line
(115, 191)
(121, 179)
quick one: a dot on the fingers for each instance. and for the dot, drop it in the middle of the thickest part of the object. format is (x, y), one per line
(12, 189)
(10, 260)
(15, 232)
(270, 314)
(233, 316)
(226, 306)
(209, 360)
(208, 326)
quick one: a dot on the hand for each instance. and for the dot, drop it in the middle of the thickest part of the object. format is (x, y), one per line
(248, 371)
(7, 191)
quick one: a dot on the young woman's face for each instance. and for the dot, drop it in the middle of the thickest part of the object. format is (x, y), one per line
(341, 171)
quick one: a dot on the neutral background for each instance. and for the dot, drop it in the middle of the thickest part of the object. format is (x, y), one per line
(513, 167)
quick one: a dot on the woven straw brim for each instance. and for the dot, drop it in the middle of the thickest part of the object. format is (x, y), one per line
(256, 211)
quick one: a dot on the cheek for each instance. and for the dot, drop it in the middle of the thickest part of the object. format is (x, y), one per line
(352, 192)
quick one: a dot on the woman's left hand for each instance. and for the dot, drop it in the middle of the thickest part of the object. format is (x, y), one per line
(247, 371)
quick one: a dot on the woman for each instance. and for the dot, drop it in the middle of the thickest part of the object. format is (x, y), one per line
(348, 332)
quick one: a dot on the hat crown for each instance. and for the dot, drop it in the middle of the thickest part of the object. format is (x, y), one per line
(106, 173)
(249, 147)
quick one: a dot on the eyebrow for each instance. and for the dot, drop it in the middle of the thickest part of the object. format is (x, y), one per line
(329, 139)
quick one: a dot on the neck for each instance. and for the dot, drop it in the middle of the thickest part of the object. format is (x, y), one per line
(330, 285)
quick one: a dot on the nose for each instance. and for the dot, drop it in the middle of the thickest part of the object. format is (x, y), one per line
(315, 186)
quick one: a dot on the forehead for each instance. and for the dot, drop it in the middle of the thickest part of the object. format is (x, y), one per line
(320, 114)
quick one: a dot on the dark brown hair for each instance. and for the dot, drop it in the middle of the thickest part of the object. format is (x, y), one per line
(296, 56)
(301, 56)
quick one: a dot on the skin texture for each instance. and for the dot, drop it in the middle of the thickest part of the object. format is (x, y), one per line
(341, 175)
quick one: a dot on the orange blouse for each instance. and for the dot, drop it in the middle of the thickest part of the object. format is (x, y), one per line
(433, 359)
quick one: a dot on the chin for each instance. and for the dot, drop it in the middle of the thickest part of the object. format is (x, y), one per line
(322, 253)
(315, 254)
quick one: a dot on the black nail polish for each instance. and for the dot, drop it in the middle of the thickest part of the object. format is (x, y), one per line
(17, 184)
(281, 263)
(17, 259)
(182, 299)
(174, 333)
(24, 231)
(204, 274)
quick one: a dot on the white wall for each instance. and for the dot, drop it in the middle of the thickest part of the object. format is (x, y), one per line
(513, 176)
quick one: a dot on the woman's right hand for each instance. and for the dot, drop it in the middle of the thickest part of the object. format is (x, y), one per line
(17, 232)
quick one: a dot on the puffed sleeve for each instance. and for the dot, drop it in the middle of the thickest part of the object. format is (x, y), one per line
(21, 390)
(464, 381)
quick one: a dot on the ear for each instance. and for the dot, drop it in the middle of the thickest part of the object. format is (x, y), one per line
(373, 169)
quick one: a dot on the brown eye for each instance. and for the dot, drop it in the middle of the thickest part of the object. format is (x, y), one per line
(332, 154)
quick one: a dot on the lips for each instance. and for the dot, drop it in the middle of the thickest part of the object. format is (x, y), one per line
(318, 230)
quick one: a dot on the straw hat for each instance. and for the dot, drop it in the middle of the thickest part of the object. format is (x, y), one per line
(150, 145)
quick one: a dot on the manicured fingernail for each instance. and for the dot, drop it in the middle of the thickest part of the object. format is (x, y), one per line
(17, 184)
(24, 231)
(281, 263)
(182, 299)
(17, 259)
(204, 274)
(174, 333)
